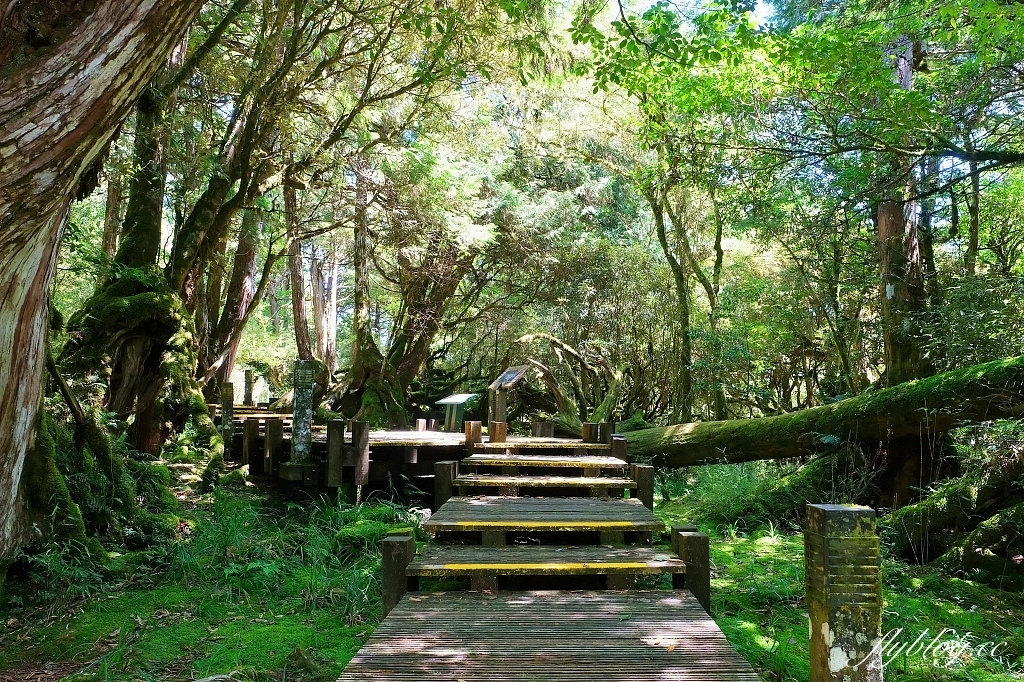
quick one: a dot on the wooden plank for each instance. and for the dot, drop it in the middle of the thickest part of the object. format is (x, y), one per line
(485, 513)
(453, 560)
(495, 480)
(582, 462)
(529, 443)
(551, 636)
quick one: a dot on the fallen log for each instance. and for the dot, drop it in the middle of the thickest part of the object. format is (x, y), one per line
(993, 390)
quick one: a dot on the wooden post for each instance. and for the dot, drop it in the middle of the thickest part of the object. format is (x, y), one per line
(444, 473)
(361, 445)
(604, 432)
(679, 579)
(247, 396)
(497, 432)
(421, 424)
(272, 441)
(335, 452)
(844, 593)
(619, 446)
(227, 417)
(643, 474)
(543, 429)
(695, 551)
(620, 581)
(410, 455)
(302, 411)
(432, 425)
(474, 431)
(398, 552)
(251, 446)
(591, 432)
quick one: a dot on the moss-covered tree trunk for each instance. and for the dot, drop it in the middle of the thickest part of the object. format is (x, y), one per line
(60, 106)
(903, 414)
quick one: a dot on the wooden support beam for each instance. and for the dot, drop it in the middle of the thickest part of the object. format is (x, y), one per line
(421, 424)
(695, 551)
(493, 538)
(619, 446)
(620, 581)
(335, 452)
(361, 446)
(604, 432)
(484, 583)
(410, 455)
(497, 432)
(474, 435)
(273, 440)
(591, 432)
(444, 473)
(643, 474)
(251, 454)
(398, 552)
(844, 593)
(433, 425)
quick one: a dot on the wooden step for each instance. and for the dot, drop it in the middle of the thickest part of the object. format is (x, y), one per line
(522, 443)
(552, 461)
(494, 517)
(517, 481)
(462, 560)
(551, 636)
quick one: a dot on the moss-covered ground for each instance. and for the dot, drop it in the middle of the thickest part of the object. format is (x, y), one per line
(256, 587)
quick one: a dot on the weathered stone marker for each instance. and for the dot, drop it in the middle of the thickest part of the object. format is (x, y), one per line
(249, 381)
(302, 411)
(844, 593)
(301, 466)
(227, 416)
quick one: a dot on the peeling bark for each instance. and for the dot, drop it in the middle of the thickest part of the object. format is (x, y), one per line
(58, 113)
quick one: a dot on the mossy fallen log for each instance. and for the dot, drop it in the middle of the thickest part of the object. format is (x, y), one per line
(994, 390)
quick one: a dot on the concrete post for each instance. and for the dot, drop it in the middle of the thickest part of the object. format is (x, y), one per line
(302, 411)
(247, 396)
(227, 416)
(844, 593)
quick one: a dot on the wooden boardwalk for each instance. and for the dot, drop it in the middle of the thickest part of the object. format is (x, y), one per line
(549, 636)
(513, 541)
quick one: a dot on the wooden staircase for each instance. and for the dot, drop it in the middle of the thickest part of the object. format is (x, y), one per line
(571, 518)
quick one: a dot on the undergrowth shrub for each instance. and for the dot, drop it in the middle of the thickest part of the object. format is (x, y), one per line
(327, 553)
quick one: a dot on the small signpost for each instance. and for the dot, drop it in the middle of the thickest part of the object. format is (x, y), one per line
(455, 409)
(498, 390)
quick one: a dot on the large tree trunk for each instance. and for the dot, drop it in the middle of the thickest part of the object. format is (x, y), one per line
(913, 410)
(58, 112)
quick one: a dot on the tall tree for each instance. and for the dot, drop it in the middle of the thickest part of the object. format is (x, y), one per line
(60, 105)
